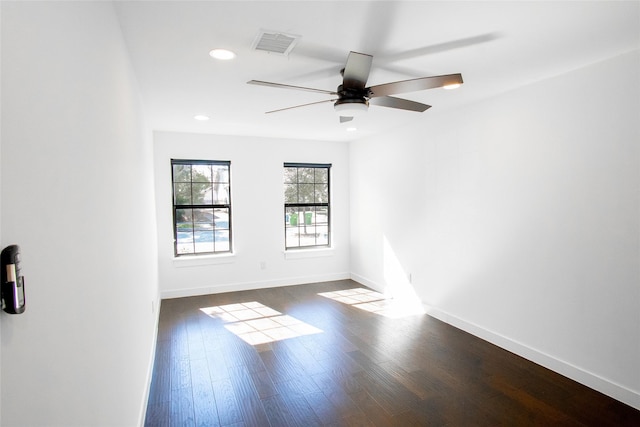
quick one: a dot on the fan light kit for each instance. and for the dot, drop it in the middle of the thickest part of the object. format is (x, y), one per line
(351, 109)
(353, 97)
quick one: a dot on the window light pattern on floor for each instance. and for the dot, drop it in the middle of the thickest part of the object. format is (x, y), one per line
(255, 323)
(375, 302)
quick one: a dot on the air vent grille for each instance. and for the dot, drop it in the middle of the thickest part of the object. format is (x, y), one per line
(275, 42)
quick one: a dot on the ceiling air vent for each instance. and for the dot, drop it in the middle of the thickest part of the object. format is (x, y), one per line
(275, 42)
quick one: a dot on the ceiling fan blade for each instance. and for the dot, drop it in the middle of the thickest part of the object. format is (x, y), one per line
(356, 71)
(414, 85)
(402, 104)
(344, 119)
(303, 105)
(282, 86)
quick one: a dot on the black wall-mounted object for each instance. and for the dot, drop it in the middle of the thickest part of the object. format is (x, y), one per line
(13, 300)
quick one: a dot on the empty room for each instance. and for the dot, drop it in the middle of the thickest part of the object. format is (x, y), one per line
(332, 213)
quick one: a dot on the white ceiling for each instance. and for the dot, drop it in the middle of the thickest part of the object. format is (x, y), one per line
(496, 46)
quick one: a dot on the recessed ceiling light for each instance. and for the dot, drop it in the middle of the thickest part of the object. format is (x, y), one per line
(451, 86)
(201, 117)
(352, 129)
(223, 54)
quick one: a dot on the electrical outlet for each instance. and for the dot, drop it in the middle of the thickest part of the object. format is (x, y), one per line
(263, 265)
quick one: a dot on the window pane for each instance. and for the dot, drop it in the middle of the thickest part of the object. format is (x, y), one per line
(291, 217)
(308, 216)
(290, 175)
(203, 241)
(184, 231)
(202, 194)
(181, 173)
(305, 193)
(322, 175)
(203, 230)
(184, 246)
(203, 216)
(291, 193)
(220, 174)
(306, 175)
(220, 194)
(307, 235)
(221, 219)
(201, 173)
(322, 215)
(322, 235)
(222, 241)
(291, 235)
(321, 193)
(184, 219)
(182, 193)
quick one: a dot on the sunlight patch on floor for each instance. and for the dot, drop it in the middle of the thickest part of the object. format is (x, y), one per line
(256, 323)
(375, 302)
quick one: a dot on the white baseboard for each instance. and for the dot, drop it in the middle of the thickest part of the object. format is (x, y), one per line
(154, 342)
(246, 286)
(591, 380)
(368, 283)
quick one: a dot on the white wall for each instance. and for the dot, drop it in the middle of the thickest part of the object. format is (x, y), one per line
(77, 195)
(1, 211)
(518, 220)
(257, 215)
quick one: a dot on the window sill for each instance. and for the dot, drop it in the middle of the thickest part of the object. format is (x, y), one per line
(198, 260)
(308, 253)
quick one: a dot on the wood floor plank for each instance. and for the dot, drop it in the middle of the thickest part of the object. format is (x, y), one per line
(204, 402)
(276, 411)
(298, 409)
(383, 387)
(217, 363)
(160, 391)
(322, 407)
(342, 401)
(253, 412)
(227, 407)
(363, 369)
(158, 414)
(374, 412)
(405, 379)
(181, 407)
(263, 384)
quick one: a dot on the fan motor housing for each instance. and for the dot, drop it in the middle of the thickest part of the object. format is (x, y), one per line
(349, 101)
(352, 94)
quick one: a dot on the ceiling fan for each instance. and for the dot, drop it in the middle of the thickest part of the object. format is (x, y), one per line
(353, 97)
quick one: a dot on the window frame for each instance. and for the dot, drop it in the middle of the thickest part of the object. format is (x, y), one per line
(212, 205)
(314, 205)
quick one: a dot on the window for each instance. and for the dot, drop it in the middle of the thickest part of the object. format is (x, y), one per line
(306, 205)
(201, 206)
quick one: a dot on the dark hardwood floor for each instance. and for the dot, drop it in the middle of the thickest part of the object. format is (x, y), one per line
(347, 367)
